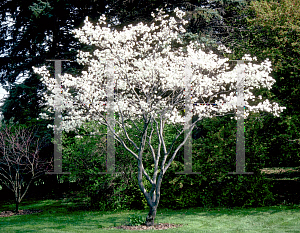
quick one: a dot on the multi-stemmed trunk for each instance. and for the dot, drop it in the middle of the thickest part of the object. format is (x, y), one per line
(17, 206)
(153, 196)
(151, 216)
(18, 191)
(153, 200)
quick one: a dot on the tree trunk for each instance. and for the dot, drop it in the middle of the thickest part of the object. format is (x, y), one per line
(151, 216)
(17, 207)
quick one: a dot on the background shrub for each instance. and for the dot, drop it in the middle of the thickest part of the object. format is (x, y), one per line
(214, 154)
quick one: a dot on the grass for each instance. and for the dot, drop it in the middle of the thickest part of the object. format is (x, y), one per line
(62, 216)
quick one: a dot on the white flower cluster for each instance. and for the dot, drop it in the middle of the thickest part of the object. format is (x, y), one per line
(149, 75)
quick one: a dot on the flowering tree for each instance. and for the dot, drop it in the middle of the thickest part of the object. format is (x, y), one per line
(149, 69)
(19, 161)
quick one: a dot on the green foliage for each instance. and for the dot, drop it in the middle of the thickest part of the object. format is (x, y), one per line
(214, 156)
(39, 8)
(272, 31)
(136, 220)
(85, 157)
(237, 191)
(21, 95)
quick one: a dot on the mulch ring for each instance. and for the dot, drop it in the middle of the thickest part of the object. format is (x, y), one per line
(159, 226)
(21, 212)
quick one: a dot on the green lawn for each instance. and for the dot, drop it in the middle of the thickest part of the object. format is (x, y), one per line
(61, 216)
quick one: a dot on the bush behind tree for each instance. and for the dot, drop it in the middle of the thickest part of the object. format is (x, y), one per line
(85, 157)
(213, 155)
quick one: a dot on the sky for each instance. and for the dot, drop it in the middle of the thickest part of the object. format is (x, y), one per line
(2, 94)
(9, 22)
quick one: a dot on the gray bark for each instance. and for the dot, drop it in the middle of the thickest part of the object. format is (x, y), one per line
(151, 216)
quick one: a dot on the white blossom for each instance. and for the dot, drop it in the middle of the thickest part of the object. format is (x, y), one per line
(151, 62)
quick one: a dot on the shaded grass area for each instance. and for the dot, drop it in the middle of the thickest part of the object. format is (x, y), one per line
(65, 216)
(73, 215)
